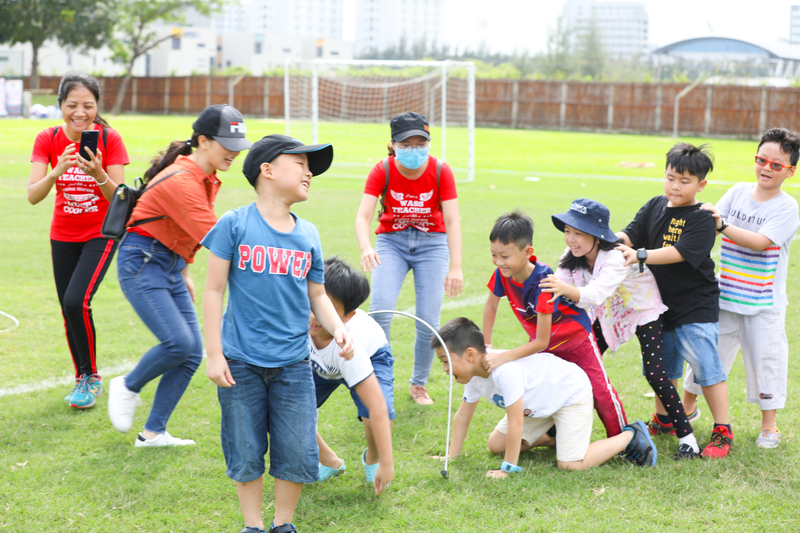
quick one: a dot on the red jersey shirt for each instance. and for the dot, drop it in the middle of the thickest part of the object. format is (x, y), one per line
(414, 203)
(80, 206)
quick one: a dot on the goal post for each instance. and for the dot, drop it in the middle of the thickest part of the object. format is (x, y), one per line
(349, 103)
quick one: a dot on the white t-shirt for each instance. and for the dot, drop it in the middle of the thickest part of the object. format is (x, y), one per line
(368, 338)
(545, 383)
(752, 282)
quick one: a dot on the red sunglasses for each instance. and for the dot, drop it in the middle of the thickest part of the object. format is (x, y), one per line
(777, 167)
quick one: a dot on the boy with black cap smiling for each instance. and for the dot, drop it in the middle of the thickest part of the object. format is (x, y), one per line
(258, 352)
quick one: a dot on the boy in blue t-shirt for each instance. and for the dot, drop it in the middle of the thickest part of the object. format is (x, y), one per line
(258, 351)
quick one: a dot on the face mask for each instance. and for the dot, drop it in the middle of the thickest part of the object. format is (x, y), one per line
(412, 158)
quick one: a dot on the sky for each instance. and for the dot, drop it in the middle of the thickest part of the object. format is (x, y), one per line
(507, 25)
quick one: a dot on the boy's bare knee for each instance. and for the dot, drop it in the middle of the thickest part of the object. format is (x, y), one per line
(571, 465)
(497, 442)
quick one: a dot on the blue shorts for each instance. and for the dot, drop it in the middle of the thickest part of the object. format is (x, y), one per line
(382, 367)
(695, 344)
(270, 403)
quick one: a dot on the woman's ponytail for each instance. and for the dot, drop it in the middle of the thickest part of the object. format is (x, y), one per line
(168, 156)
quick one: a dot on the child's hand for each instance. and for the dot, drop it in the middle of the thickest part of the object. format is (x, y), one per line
(493, 360)
(217, 371)
(708, 206)
(383, 476)
(554, 286)
(629, 254)
(498, 474)
(345, 342)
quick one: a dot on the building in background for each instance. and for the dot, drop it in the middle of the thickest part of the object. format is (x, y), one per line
(381, 24)
(794, 25)
(318, 19)
(260, 53)
(623, 26)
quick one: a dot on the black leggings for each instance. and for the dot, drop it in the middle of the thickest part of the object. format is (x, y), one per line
(78, 268)
(651, 338)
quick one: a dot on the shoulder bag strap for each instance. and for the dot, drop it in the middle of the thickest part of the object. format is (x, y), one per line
(147, 188)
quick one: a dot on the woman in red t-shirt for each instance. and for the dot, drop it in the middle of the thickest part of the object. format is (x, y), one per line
(83, 187)
(419, 230)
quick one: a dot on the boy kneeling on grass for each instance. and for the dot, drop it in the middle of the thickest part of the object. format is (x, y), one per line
(369, 375)
(536, 392)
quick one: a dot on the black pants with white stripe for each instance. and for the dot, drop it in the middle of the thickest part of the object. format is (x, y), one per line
(79, 268)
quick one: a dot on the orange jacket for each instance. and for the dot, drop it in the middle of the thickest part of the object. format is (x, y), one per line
(187, 199)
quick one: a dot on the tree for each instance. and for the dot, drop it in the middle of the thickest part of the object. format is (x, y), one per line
(590, 50)
(559, 48)
(79, 23)
(135, 36)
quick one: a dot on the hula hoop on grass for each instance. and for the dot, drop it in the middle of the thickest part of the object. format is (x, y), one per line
(449, 367)
(16, 322)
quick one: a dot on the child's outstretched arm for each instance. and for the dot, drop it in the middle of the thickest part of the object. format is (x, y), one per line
(513, 437)
(370, 393)
(749, 239)
(489, 316)
(326, 314)
(461, 422)
(544, 323)
(216, 281)
(660, 256)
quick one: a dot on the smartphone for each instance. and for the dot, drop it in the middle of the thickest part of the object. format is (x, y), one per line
(89, 139)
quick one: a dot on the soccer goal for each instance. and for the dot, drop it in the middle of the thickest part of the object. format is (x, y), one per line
(349, 103)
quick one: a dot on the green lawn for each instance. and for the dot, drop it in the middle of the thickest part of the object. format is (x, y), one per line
(69, 470)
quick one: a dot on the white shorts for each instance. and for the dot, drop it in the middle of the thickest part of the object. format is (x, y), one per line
(573, 429)
(765, 350)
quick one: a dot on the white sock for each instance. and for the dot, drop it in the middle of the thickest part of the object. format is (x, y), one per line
(691, 441)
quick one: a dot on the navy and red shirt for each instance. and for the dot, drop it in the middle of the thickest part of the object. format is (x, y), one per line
(571, 325)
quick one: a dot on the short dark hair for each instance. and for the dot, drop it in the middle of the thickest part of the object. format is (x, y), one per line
(345, 284)
(459, 334)
(696, 160)
(516, 227)
(789, 141)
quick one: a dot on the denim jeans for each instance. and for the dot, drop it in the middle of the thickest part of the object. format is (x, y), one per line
(150, 277)
(428, 256)
(270, 409)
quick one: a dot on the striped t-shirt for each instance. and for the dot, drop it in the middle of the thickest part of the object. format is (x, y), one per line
(751, 281)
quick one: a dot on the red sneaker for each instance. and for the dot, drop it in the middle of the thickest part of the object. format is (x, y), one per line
(720, 445)
(656, 427)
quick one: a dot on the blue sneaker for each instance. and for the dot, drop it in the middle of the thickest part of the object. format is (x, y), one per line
(252, 530)
(285, 528)
(326, 472)
(369, 470)
(83, 397)
(68, 397)
(96, 384)
(640, 450)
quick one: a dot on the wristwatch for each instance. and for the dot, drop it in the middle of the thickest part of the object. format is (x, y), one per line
(641, 255)
(724, 225)
(509, 468)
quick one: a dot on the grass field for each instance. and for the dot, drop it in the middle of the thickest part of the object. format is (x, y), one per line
(69, 470)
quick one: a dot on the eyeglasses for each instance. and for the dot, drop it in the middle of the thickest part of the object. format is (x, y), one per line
(777, 167)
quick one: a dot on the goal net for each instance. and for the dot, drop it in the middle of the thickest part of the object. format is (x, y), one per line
(350, 104)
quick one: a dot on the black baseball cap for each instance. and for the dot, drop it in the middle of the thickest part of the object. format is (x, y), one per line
(225, 124)
(589, 217)
(408, 124)
(320, 156)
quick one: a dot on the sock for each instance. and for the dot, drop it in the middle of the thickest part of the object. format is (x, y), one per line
(730, 431)
(689, 415)
(691, 441)
(664, 419)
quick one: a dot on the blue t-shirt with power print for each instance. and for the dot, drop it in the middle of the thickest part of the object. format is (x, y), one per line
(266, 320)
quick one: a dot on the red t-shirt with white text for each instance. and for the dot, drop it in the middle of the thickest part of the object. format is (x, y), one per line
(80, 206)
(412, 203)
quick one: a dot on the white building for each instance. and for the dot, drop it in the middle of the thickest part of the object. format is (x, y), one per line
(318, 19)
(622, 25)
(261, 53)
(381, 24)
(794, 28)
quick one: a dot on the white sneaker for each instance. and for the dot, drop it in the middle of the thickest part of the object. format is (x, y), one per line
(122, 404)
(162, 439)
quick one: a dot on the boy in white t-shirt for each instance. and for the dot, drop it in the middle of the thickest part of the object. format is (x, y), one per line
(758, 222)
(536, 392)
(368, 375)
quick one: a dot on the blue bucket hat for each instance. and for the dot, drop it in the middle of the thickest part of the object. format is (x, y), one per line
(589, 217)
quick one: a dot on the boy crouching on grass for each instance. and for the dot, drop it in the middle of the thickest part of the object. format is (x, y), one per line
(368, 375)
(258, 353)
(536, 392)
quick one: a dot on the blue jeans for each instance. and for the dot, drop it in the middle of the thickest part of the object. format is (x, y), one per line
(695, 344)
(276, 404)
(428, 256)
(150, 277)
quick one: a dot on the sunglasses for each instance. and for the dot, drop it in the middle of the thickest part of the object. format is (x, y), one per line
(777, 167)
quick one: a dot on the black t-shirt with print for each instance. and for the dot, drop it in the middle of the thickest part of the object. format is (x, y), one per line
(688, 288)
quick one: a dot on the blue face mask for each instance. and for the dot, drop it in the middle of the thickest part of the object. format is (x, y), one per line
(412, 158)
